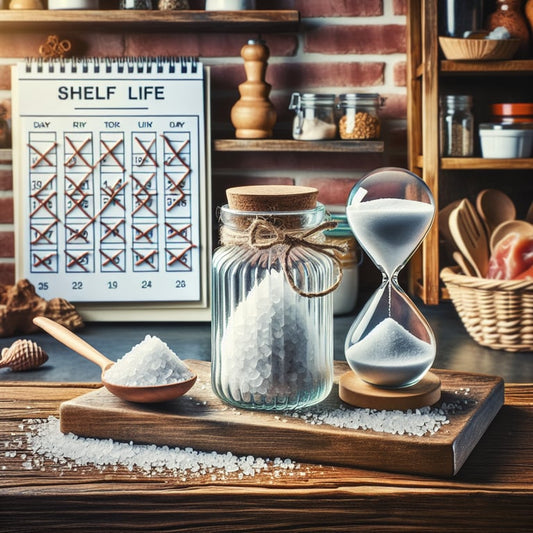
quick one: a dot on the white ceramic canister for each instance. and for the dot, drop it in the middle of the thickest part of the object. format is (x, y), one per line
(72, 4)
(229, 5)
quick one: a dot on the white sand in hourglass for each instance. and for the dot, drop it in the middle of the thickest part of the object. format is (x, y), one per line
(389, 229)
(389, 355)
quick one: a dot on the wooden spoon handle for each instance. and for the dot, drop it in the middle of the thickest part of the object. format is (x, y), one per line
(72, 340)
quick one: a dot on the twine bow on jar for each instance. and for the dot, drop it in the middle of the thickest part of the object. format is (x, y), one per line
(262, 234)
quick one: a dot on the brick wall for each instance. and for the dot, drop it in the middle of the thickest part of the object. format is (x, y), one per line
(342, 46)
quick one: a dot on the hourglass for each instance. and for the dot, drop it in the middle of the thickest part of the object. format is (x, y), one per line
(390, 346)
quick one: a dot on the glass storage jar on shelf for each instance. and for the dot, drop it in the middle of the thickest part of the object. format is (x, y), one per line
(272, 310)
(359, 116)
(315, 116)
(456, 126)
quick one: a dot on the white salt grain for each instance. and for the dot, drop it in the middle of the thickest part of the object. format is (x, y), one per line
(47, 442)
(151, 362)
(417, 422)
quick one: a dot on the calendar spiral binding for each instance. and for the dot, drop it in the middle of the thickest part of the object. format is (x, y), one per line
(114, 65)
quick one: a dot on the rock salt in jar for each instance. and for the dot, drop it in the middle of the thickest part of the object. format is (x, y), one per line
(272, 319)
(315, 116)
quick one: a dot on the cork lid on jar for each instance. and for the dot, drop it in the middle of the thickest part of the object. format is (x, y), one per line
(272, 198)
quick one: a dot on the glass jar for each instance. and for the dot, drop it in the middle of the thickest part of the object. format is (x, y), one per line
(272, 314)
(315, 116)
(359, 116)
(457, 18)
(456, 126)
(136, 4)
(345, 298)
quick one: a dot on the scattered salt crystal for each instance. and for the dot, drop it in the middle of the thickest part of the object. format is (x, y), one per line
(418, 422)
(151, 362)
(47, 442)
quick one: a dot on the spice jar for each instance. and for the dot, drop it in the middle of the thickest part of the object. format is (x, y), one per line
(456, 126)
(136, 4)
(272, 312)
(315, 116)
(345, 298)
(359, 117)
(511, 113)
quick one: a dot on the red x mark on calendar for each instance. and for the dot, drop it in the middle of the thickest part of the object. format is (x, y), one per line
(175, 152)
(43, 203)
(112, 192)
(178, 231)
(77, 260)
(42, 234)
(110, 152)
(144, 190)
(179, 257)
(71, 161)
(113, 230)
(147, 154)
(77, 203)
(79, 233)
(42, 156)
(42, 261)
(112, 259)
(144, 233)
(145, 258)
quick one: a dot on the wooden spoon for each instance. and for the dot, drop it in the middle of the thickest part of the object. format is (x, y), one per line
(494, 207)
(469, 236)
(467, 268)
(150, 394)
(511, 226)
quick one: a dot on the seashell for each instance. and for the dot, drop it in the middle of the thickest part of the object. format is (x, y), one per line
(23, 355)
(62, 311)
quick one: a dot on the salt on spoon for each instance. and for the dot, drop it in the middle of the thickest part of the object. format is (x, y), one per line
(133, 393)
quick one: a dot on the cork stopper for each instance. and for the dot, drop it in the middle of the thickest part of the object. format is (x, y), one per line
(272, 198)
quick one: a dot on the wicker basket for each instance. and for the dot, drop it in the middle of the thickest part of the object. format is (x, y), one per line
(469, 49)
(496, 313)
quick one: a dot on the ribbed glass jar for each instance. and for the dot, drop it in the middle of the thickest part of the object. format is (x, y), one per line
(272, 348)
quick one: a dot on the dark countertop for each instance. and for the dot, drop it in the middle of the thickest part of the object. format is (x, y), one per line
(455, 349)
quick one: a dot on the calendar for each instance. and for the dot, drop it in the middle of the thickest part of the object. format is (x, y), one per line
(112, 184)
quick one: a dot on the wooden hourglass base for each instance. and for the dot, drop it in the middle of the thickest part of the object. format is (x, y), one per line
(354, 391)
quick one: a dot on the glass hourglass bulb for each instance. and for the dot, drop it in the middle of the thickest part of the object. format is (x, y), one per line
(390, 344)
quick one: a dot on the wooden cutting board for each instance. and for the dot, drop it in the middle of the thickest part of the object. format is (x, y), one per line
(201, 421)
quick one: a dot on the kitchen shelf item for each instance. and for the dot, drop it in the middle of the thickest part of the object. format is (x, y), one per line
(495, 313)
(253, 115)
(510, 113)
(494, 207)
(272, 301)
(478, 49)
(509, 14)
(456, 124)
(390, 344)
(314, 116)
(459, 17)
(359, 116)
(470, 237)
(506, 141)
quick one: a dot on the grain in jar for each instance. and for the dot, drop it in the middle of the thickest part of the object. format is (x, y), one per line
(456, 126)
(359, 116)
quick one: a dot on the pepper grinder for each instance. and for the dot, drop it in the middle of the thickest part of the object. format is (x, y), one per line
(253, 115)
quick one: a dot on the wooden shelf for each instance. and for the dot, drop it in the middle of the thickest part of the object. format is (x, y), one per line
(480, 163)
(290, 145)
(183, 21)
(518, 66)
